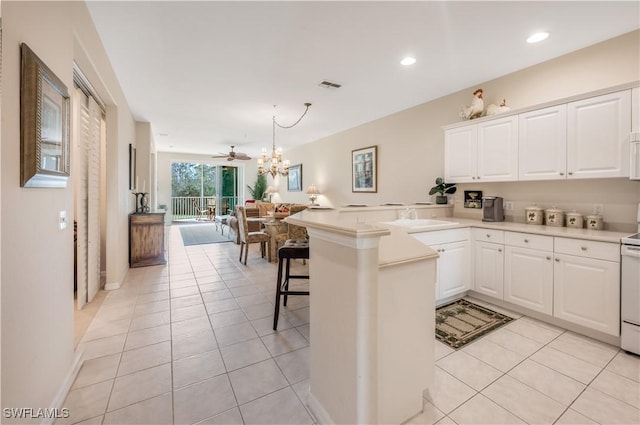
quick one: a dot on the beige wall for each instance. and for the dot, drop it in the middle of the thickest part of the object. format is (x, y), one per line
(411, 143)
(37, 258)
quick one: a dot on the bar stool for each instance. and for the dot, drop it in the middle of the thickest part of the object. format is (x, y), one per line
(292, 249)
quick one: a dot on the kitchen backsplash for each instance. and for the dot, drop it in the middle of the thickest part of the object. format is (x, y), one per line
(618, 197)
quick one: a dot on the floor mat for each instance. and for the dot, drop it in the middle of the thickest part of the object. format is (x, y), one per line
(462, 321)
(202, 233)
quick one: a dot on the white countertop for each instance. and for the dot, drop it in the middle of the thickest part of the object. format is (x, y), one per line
(363, 226)
(566, 232)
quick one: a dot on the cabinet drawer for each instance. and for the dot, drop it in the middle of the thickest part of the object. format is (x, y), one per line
(442, 236)
(589, 249)
(527, 240)
(488, 235)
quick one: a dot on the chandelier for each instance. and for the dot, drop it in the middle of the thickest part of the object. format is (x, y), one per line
(276, 165)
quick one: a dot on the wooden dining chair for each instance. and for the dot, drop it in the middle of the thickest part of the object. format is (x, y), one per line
(247, 237)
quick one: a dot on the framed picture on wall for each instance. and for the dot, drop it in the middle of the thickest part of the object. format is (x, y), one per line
(44, 124)
(294, 178)
(364, 169)
(132, 167)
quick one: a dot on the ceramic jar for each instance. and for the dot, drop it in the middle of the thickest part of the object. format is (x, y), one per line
(595, 222)
(533, 215)
(554, 217)
(574, 220)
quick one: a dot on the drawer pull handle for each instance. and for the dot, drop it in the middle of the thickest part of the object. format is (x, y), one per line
(562, 174)
(584, 248)
(548, 258)
(473, 178)
(557, 260)
(499, 250)
(526, 241)
(571, 173)
(488, 235)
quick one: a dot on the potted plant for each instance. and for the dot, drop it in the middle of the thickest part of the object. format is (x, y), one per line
(443, 189)
(259, 189)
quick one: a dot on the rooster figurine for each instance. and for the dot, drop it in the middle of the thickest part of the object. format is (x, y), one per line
(493, 109)
(474, 110)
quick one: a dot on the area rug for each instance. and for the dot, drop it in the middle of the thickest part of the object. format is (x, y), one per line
(202, 233)
(462, 321)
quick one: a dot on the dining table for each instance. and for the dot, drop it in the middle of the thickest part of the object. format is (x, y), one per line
(273, 227)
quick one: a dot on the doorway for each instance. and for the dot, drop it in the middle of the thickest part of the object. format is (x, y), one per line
(196, 187)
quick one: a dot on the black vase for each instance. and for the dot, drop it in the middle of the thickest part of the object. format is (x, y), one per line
(442, 199)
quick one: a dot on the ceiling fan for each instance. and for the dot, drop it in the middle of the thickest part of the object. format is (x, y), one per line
(233, 155)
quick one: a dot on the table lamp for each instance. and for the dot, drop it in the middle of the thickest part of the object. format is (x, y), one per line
(313, 193)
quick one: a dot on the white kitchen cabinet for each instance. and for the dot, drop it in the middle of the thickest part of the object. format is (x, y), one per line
(528, 278)
(454, 264)
(498, 150)
(634, 163)
(542, 144)
(460, 154)
(453, 276)
(489, 268)
(587, 284)
(487, 151)
(598, 130)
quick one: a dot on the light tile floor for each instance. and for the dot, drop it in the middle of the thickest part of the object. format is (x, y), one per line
(191, 343)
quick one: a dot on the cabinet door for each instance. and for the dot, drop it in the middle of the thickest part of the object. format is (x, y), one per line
(498, 150)
(528, 279)
(460, 154)
(587, 292)
(489, 269)
(598, 136)
(542, 145)
(453, 269)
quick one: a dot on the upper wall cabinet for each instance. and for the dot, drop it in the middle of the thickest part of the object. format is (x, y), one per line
(598, 136)
(542, 145)
(587, 138)
(487, 151)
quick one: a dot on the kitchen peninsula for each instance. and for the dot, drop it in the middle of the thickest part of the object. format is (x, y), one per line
(373, 314)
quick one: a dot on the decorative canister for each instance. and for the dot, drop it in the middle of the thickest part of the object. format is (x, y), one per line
(534, 215)
(574, 219)
(554, 217)
(595, 222)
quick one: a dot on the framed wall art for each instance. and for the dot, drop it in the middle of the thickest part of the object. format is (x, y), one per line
(44, 125)
(364, 169)
(294, 178)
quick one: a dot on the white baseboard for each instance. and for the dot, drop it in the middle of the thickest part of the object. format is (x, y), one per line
(111, 286)
(68, 381)
(320, 415)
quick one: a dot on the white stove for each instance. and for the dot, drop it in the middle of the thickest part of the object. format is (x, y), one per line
(630, 291)
(631, 240)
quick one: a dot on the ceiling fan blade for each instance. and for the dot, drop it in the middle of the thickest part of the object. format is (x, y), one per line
(219, 156)
(242, 156)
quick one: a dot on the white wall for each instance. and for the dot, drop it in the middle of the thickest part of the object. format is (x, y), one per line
(411, 143)
(37, 273)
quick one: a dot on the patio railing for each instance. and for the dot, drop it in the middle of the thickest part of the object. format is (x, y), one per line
(184, 207)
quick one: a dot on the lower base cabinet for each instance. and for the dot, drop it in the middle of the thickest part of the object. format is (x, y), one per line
(489, 269)
(453, 275)
(528, 278)
(587, 292)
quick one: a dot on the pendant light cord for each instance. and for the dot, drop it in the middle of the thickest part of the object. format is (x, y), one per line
(295, 123)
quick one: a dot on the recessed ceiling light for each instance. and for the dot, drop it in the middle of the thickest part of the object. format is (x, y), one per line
(408, 61)
(539, 36)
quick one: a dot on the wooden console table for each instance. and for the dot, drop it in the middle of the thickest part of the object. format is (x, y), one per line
(146, 239)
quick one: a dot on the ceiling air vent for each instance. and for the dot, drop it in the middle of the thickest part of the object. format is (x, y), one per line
(330, 85)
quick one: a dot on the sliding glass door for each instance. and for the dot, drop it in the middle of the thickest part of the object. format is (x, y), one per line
(196, 187)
